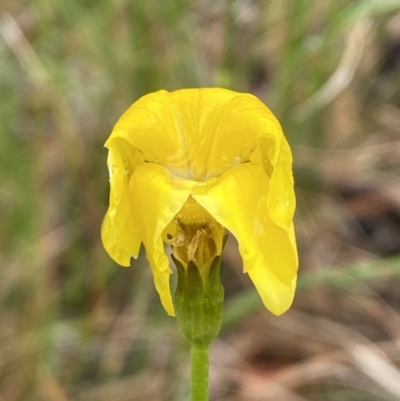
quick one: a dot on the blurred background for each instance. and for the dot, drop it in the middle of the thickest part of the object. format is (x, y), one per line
(73, 324)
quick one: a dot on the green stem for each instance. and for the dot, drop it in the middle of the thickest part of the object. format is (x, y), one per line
(199, 373)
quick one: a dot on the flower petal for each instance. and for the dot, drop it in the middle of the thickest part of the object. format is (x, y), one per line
(199, 133)
(156, 197)
(281, 198)
(274, 156)
(238, 201)
(119, 231)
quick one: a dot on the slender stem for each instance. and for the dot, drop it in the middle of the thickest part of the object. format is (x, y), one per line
(199, 373)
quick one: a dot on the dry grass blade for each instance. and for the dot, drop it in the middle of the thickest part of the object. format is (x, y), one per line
(376, 367)
(20, 46)
(364, 354)
(342, 76)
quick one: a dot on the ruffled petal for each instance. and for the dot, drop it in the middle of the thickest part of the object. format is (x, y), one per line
(281, 197)
(119, 231)
(156, 197)
(199, 133)
(238, 201)
(274, 156)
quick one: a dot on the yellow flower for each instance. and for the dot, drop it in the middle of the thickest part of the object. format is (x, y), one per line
(183, 166)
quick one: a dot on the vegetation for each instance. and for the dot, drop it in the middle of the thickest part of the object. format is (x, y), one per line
(73, 325)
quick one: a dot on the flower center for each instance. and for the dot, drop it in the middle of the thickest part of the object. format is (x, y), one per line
(195, 235)
(192, 213)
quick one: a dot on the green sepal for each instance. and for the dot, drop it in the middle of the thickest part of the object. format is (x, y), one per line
(199, 302)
